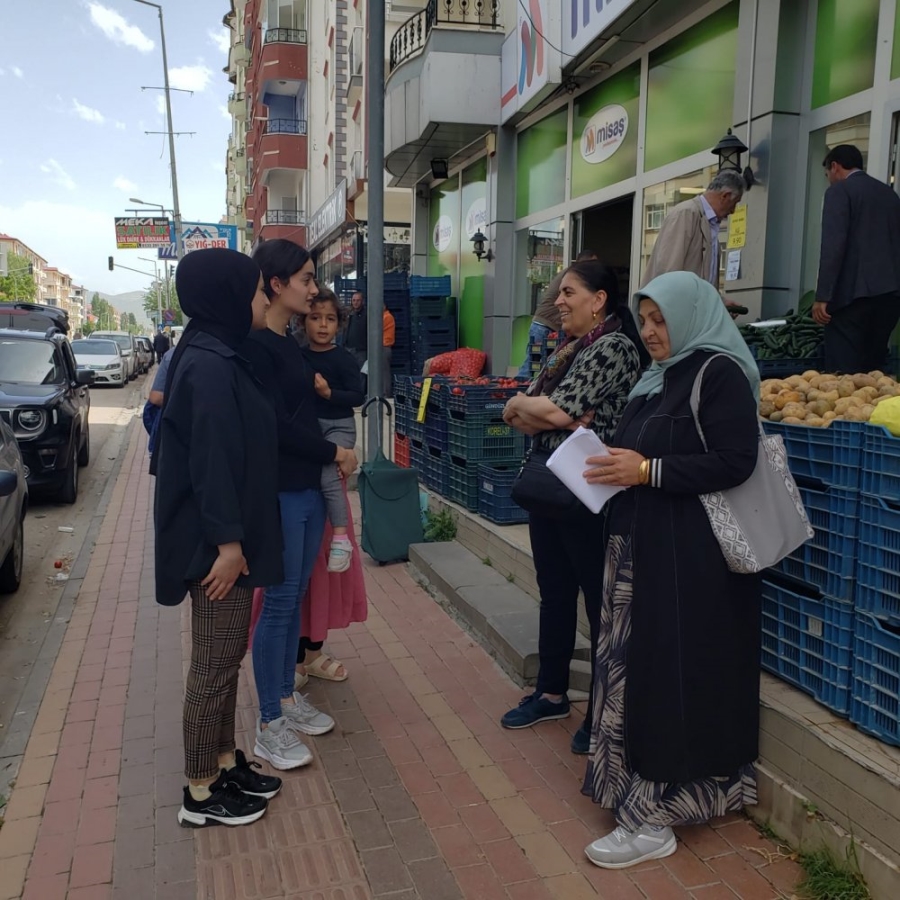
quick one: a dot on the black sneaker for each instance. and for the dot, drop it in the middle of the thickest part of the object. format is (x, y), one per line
(227, 805)
(581, 741)
(245, 779)
(533, 709)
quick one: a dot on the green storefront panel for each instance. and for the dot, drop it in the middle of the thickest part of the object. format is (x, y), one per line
(443, 239)
(471, 271)
(541, 164)
(690, 98)
(846, 39)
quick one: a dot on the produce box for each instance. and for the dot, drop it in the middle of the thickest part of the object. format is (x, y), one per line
(876, 679)
(878, 569)
(401, 451)
(484, 435)
(799, 338)
(808, 641)
(830, 455)
(422, 286)
(881, 464)
(462, 482)
(486, 393)
(494, 501)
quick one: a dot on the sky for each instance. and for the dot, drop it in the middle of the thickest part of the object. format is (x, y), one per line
(75, 117)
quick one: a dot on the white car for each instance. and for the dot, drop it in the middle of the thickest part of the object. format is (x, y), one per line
(126, 345)
(104, 358)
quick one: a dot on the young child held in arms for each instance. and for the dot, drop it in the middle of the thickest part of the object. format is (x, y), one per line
(339, 385)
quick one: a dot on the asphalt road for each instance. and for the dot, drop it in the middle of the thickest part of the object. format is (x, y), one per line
(26, 616)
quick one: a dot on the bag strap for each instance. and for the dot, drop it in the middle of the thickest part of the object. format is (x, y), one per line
(695, 402)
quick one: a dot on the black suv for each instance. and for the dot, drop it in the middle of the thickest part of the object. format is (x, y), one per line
(45, 399)
(33, 317)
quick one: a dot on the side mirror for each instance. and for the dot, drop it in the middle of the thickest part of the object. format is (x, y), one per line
(85, 376)
(9, 481)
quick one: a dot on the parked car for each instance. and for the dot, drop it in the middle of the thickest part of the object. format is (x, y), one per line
(44, 398)
(13, 505)
(103, 357)
(145, 354)
(33, 317)
(126, 345)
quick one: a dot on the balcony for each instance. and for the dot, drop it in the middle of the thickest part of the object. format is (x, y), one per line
(356, 174)
(356, 72)
(285, 36)
(237, 105)
(285, 54)
(283, 146)
(285, 217)
(286, 126)
(449, 42)
(239, 55)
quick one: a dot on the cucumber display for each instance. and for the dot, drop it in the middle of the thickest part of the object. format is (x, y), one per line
(799, 338)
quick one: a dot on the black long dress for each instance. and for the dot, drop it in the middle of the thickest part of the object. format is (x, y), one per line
(676, 694)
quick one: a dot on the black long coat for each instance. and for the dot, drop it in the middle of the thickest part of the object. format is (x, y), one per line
(217, 473)
(692, 677)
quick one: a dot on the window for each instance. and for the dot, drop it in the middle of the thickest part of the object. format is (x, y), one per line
(654, 213)
(30, 362)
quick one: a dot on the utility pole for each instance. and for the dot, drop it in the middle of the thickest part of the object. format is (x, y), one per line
(375, 251)
(176, 207)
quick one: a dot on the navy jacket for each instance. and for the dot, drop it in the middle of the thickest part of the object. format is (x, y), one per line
(860, 241)
(217, 472)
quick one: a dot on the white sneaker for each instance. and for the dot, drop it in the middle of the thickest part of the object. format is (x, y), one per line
(278, 744)
(339, 556)
(302, 716)
(623, 848)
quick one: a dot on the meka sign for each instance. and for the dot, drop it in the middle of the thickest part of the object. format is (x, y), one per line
(583, 20)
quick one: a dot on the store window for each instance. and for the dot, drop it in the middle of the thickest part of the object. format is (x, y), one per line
(659, 200)
(444, 232)
(541, 164)
(474, 218)
(850, 131)
(690, 92)
(846, 38)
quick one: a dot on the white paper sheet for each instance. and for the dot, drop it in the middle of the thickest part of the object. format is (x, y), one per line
(568, 464)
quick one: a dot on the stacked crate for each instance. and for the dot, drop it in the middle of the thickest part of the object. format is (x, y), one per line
(396, 302)
(538, 354)
(433, 319)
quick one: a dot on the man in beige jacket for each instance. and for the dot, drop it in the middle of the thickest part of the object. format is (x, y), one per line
(689, 239)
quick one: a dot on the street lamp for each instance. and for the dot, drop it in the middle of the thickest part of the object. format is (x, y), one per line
(158, 284)
(176, 208)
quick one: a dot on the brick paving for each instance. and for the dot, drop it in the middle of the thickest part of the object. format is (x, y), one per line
(418, 793)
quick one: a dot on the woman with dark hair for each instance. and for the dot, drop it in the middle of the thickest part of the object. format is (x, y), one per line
(216, 521)
(289, 282)
(587, 380)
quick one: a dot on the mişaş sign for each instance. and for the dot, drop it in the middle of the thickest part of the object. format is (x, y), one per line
(604, 134)
(443, 234)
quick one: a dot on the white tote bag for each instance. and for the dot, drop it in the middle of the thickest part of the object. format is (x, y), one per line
(758, 523)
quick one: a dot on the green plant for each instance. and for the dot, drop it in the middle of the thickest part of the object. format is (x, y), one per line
(510, 578)
(828, 879)
(440, 526)
(487, 562)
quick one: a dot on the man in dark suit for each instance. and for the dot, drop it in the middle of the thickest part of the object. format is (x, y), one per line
(858, 294)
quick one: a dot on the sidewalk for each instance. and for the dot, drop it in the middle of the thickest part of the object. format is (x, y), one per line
(418, 793)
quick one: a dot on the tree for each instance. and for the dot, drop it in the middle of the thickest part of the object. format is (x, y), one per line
(159, 298)
(19, 284)
(88, 328)
(102, 312)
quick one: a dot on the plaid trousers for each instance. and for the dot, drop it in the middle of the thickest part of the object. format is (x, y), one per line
(219, 631)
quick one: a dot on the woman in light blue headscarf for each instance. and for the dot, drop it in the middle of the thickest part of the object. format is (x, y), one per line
(683, 631)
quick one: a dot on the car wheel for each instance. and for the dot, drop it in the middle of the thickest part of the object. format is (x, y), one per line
(121, 384)
(11, 570)
(69, 491)
(84, 454)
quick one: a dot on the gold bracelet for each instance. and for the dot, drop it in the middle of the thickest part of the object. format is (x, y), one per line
(644, 472)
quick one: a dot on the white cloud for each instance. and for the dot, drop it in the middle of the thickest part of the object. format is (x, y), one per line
(117, 28)
(221, 38)
(17, 72)
(87, 113)
(2, 73)
(224, 110)
(123, 184)
(161, 104)
(60, 175)
(120, 126)
(191, 78)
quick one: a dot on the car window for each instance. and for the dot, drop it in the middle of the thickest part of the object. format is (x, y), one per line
(95, 348)
(69, 357)
(123, 340)
(31, 362)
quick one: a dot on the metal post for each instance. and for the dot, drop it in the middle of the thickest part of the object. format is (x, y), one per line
(375, 254)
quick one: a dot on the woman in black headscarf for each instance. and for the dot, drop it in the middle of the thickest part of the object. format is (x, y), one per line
(218, 532)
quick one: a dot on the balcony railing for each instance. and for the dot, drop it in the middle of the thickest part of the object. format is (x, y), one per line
(357, 42)
(411, 37)
(285, 36)
(285, 217)
(357, 167)
(286, 126)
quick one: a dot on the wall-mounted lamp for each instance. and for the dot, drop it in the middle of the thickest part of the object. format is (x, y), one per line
(440, 168)
(729, 151)
(478, 242)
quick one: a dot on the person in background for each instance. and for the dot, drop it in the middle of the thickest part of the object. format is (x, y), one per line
(216, 522)
(154, 404)
(690, 237)
(546, 317)
(390, 336)
(340, 389)
(676, 676)
(858, 292)
(356, 335)
(160, 345)
(587, 378)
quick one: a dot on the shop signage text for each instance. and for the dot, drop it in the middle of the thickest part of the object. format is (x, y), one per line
(476, 217)
(531, 64)
(330, 215)
(137, 233)
(583, 20)
(443, 234)
(201, 236)
(604, 134)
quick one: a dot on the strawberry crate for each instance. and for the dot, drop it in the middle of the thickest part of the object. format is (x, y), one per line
(472, 398)
(878, 567)
(808, 641)
(876, 679)
(495, 502)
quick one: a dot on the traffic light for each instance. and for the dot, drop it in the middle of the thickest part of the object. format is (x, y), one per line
(111, 264)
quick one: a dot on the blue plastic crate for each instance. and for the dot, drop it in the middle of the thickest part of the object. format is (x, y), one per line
(878, 568)
(484, 436)
(831, 455)
(416, 454)
(462, 482)
(876, 679)
(396, 281)
(434, 471)
(827, 562)
(423, 286)
(436, 431)
(494, 500)
(425, 307)
(808, 642)
(476, 398)
(881, 463)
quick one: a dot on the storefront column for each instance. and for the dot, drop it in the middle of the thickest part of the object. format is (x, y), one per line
(421, 234)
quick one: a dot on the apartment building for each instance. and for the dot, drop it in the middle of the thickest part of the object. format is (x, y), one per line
(11, 246)
(57, 288)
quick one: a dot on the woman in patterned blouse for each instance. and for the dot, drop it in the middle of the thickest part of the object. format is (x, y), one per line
(587, 381)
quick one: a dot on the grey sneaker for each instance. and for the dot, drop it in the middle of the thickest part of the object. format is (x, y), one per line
(279, 745)
(305, 718)
(623, 848)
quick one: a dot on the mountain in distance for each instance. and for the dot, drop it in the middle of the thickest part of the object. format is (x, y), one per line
(130, 302)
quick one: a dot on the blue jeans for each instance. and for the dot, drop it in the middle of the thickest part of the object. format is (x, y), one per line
(277, 633)
(537, 334)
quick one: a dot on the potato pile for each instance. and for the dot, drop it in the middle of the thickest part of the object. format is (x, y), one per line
(817, 400)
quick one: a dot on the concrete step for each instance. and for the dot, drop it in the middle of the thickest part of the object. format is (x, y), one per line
(502, 616)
